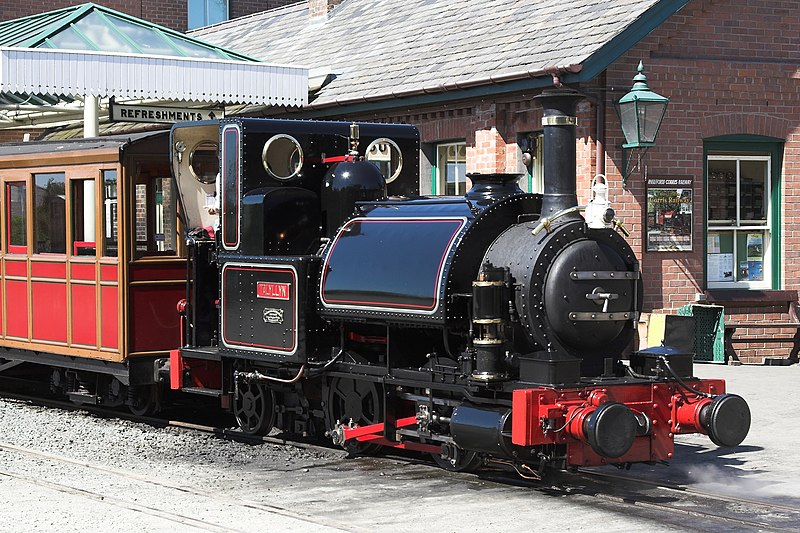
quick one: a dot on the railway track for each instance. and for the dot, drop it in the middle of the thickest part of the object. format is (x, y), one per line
(745, 513)
(289, 517)
(621, 490)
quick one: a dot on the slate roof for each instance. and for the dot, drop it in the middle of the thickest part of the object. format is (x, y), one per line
(382, 49)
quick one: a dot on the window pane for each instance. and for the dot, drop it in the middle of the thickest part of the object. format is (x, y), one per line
(102, 34)
(50, 231)
(750, 258)
(17, 234)
(165, 215)
(110, 245)
(206, 12)
(217, 11)
(722, 191)
(83, 218)
(141, 217)
(753, 191)
(149, 41)
(452, 169)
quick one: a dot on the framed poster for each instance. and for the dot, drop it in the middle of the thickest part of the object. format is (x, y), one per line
(669, 214)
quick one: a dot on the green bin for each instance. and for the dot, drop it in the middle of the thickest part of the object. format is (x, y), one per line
(709, 332)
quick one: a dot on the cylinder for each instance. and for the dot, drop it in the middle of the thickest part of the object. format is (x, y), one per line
(482, 430)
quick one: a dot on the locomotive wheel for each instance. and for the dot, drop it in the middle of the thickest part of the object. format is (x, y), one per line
(463, 462)
(254, 408)
(356, 400)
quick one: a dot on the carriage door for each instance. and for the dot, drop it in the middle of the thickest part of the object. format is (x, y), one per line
(157, 270)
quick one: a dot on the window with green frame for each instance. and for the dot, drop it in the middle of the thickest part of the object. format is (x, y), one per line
(742, 224)
(450, 171)
(532, 147)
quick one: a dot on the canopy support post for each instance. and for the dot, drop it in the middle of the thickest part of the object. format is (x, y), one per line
(91, 116)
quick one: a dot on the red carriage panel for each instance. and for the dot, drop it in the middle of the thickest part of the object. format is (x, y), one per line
(83, 271)
(50, 311)
(84, 315)
(17, 268)
(155, 324)
(17, 308)
(109, 318)
(108, 272)
(48, 270)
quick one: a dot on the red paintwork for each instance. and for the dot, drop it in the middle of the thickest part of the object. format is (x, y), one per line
(80, 245)
(108, 272)
(84, 315)
(49, 311)
(154, 323)
(82, 271)
(661, 402)
(48, 270)
(176, 368)
(17, 308)
(109, 331)
(374, 434)
(15, 249)
(17, 268)
(1, 311)
(273, 291)
(157, 272)
(202, 373)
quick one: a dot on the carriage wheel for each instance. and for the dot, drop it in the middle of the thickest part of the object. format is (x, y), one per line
(356, 400)
(254, 407)
(143, 399)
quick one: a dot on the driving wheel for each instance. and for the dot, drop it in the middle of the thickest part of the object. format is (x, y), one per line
(356, 400)
(254, 408)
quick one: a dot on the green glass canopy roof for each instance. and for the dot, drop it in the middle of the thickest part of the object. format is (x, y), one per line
(58, 66)
(96, 28)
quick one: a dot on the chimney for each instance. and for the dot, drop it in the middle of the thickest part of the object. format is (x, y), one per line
(318, 9)
(559, 123)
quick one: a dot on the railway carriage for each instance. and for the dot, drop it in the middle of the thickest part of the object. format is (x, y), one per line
(92, 261)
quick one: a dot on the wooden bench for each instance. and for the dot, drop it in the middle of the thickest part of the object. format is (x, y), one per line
(737, 302)
(730, 351)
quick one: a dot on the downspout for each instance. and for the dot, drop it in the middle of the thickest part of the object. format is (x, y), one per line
(599, 141)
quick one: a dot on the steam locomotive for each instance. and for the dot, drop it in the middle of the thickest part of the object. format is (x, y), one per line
(325, 298)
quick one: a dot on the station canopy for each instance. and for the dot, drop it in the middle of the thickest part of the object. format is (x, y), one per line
(54, 65)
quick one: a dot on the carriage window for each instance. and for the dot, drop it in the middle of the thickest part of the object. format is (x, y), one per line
(385, 154)
(110, 245)
(50, 213)
(83, 218)
(156, 232)
(17, 223)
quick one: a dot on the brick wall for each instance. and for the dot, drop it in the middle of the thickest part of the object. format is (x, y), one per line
(169, 13)
(729, 68)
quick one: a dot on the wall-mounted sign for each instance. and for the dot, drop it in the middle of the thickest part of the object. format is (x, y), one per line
(158, 114)
(669, 214)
